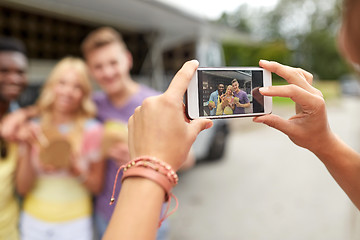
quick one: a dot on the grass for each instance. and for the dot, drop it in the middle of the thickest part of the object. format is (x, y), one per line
(330, 90)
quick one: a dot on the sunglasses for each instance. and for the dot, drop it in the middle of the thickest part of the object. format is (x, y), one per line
(3, 149)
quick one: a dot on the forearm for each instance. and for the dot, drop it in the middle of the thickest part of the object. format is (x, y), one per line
(12, 123)
(137, 212)
(245, 105)
(343, 163)
(25, 172)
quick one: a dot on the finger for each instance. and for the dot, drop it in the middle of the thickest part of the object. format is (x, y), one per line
(308, 76)
(182, 79)
(276, 122)
(9, 132)
(294, 92)
(130, 136)
(198, 125)
(292, 75)
(6, 133)
(27, 133)
(185, 115)
(24, 134)
(35, 131)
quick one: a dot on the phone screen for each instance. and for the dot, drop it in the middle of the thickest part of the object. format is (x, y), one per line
(230, 92)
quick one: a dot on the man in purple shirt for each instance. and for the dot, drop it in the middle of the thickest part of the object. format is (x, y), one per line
(243, 99)
(110, 62)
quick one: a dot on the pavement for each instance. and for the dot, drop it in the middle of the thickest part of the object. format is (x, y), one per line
(267, 188)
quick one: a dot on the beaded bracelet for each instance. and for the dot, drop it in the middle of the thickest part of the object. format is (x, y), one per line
(152, 169)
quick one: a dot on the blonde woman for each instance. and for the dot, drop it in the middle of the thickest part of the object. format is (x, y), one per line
(57, 194)
(227, 101)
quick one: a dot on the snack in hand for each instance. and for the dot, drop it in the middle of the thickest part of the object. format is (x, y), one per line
(212, 104)
(57, 153)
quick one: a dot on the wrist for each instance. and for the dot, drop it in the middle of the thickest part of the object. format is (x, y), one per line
(154, 172)
(152, 169)
(143, 186)
(140, 205)
(325, 146)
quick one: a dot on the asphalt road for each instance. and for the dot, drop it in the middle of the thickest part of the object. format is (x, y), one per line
(266, 188)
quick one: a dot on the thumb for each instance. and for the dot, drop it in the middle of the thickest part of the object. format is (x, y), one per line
(198, 125)
(276, 122)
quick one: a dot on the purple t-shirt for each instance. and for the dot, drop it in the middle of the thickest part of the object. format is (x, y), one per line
(107, 111)
(242, 99)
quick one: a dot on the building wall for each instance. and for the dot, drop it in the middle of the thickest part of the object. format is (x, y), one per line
(50, 37)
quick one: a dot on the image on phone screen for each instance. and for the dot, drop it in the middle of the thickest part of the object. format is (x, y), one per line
(230, 92)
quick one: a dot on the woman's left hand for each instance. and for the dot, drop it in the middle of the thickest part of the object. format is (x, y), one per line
(160, 128)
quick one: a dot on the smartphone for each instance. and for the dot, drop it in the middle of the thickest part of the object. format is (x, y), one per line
(228, 92)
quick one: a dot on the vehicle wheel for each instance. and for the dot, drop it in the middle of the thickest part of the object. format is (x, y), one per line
(218, 144)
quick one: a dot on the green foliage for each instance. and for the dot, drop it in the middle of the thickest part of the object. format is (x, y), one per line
(318, 54)
(300, 33)
(245, 55)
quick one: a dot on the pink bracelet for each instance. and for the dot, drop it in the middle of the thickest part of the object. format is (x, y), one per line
(152, 175)
(152, 169)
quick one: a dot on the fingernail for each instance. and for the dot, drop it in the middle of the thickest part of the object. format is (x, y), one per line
(264, 61)
(257, 120)
(263, 89)
(209, 125)
(195, 61)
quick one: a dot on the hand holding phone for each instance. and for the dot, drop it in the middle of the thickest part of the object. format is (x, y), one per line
(228, 92)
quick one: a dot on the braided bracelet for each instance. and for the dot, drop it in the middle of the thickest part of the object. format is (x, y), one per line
(152, 169)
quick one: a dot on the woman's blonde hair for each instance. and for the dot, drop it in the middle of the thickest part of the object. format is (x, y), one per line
(228, 86)
(46, 100)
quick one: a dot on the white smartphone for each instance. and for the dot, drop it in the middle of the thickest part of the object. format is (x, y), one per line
(228, 92)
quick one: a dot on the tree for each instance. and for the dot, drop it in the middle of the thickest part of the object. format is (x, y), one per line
(300, 33)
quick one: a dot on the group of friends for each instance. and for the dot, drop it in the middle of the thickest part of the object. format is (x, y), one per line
(68, 198)
(232, 101)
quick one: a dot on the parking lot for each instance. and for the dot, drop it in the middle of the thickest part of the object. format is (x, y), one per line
(266, 188)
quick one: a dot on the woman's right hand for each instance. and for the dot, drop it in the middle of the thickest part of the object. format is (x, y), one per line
(11, 124)
(160, 128)
(309, 127)
(222, 97)
(29, 133)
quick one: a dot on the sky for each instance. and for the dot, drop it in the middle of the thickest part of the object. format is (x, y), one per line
(213, 9)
